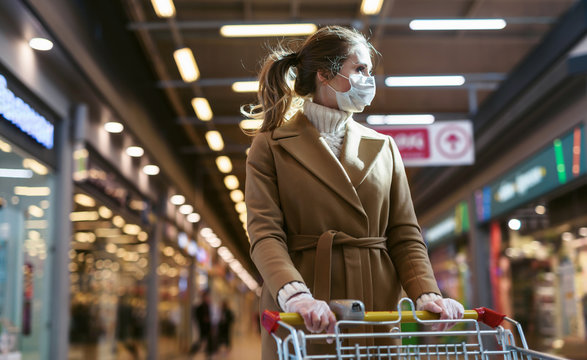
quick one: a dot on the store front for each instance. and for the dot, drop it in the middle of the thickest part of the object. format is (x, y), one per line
(537, 229)
(448, 244)
(27, 203)
(109, 266)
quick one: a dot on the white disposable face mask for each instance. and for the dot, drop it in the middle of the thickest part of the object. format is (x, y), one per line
(360, 94)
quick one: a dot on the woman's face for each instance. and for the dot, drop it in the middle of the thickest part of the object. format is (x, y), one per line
(358, 62)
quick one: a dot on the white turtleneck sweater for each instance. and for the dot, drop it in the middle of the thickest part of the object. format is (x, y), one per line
(331, 124)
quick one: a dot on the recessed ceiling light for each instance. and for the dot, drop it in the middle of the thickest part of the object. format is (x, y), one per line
(371, 7)
(135, 151)
(237, 196)
(224, 164)
(214, 140)
(163, 8)
(202, 108)
(113, 127)
(231, 182)
(193, 217)
(177, 199)
(186, 64)
(514, 224)
(41, 44)
(186, 209)
(240, 207)
(151, 169)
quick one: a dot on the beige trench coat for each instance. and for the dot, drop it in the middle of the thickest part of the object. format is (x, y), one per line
(356, 213)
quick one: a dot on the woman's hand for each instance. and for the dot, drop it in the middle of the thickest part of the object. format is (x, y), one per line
(316, 313)
(447, 308)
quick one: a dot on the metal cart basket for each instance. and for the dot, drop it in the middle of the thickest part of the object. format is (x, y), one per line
(482, 342)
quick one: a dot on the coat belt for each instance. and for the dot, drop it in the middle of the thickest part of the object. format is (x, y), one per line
(323, 261)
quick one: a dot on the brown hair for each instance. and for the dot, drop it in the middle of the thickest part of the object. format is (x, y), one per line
(324, 51)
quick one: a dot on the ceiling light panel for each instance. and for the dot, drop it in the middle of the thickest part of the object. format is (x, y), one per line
(267, 30)
(224, 164)
(457, 24)
(214, 140)
(416, 81)
(186, 64)
(371, 7)
(163, 8)
(135, 151)
(404, 119)
(202, 108)
(231, 182)
(113, 127)
(245, 86)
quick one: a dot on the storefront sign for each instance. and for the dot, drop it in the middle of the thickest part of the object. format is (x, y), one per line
(19, 113)
(550, 168)
(443, 143)
(451, 224)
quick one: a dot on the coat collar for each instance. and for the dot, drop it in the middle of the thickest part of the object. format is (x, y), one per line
(360, 149)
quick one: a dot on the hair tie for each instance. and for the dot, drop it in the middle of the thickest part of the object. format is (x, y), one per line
(292, 58)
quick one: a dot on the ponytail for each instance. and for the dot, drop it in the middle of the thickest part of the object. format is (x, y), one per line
(275, 94)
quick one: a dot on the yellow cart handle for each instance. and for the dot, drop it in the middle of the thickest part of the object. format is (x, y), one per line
(482, 314)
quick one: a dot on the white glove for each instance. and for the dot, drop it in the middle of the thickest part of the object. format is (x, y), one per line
(448, 309)
(316, 313)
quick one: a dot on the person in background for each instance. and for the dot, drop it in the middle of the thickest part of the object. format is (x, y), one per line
(329, 209)
(202, 316)
(224, 325)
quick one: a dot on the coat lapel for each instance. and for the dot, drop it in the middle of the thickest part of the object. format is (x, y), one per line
(301, 140)
(359, 151)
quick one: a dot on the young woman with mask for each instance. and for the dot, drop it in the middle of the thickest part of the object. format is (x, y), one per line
(330, 214)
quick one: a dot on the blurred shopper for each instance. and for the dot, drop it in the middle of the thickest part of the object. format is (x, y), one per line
(203, 318)
(330, 214)
(225, 325)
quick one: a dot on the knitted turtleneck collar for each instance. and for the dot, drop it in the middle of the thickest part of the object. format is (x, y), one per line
(325, 119)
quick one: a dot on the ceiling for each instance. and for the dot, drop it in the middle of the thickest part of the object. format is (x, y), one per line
(484, 57)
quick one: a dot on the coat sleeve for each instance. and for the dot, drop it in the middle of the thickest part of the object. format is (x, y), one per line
(406, 245)
(265, 220)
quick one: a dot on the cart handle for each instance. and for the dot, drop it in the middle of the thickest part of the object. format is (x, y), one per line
(487, 316)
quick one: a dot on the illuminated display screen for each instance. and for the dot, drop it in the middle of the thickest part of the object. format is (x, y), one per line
(19, 113)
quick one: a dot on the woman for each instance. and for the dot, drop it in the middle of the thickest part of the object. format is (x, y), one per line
(329, 209)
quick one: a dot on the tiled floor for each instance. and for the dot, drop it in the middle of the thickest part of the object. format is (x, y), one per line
(246, 347)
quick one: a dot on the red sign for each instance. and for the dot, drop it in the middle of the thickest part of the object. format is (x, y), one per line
(412, 143)
(445, 143)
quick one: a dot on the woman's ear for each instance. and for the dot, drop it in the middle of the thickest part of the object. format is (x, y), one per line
(322, 76)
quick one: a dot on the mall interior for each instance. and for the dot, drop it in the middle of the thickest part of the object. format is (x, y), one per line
(123, 156)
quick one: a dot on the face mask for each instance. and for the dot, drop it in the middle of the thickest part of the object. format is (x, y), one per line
(360, 94)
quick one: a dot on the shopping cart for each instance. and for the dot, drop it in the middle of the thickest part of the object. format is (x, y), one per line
(482, 342)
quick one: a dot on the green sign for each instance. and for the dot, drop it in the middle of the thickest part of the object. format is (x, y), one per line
(550, 168)
(450, 225)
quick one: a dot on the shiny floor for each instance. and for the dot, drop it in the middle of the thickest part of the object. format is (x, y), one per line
(246, 347)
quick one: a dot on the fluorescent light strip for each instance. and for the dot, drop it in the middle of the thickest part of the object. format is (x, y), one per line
(408, 119)
(163, 8)
(371, 7)
(186, 64)
(251, 124)
(16, 173)
(202, 108)
(407, 81)
(245, 86)
(457, 24)
(214, 140)
(267, 30)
